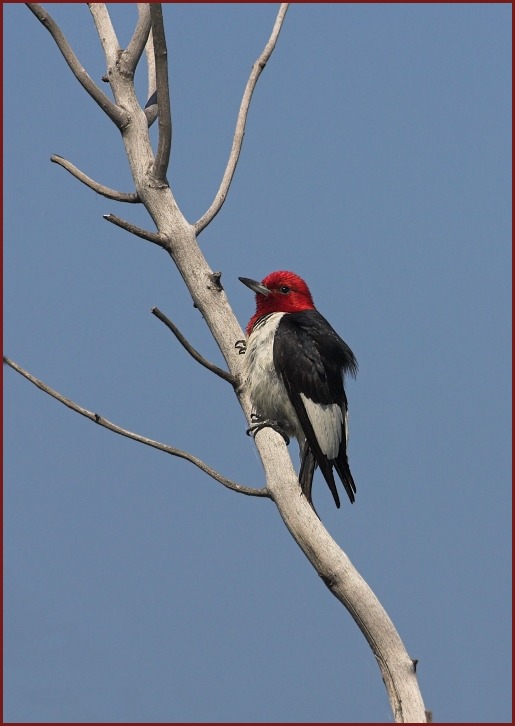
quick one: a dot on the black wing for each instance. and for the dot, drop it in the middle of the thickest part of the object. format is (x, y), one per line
(312, 359)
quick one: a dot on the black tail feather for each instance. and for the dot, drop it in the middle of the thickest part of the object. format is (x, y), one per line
(307, 470)
(342, 467)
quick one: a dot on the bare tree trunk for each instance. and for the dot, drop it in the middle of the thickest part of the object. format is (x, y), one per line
(179, 238)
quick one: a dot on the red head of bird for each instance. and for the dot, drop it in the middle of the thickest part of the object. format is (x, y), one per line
(278, 292)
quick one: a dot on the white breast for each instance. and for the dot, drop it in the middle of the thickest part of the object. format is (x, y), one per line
(267, 392)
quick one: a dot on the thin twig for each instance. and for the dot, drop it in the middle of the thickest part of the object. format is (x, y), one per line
(132, 53)
(191, 350)
(96, 418)
(240, 123)
(92, 184)
(115, 113)
(154, 237)
(164, 143)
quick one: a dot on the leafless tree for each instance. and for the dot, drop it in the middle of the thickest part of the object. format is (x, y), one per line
(178, 237)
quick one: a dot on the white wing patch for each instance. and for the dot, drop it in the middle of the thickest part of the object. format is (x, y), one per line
(329, 424)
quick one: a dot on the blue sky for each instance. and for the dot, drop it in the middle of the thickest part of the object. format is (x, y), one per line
(377, 165)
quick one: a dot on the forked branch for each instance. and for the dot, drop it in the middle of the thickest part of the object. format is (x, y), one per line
(96, 418)
(115, 113)
(178, 237)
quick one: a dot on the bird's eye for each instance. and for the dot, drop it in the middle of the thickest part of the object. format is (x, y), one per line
(284, 289)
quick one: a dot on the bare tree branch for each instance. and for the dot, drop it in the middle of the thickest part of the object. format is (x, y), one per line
(240, 123)
(115, 113)
(346, 584)
(132, 54)
(178, 237)
(151, 108)
(96, 418)
(92, 184)
(154, 237)
(164, 144)
(105, 32)
(191, 350)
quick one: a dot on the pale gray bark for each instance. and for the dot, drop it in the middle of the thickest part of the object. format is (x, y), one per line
(179, 238)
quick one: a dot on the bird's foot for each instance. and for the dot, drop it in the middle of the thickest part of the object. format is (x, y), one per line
(241, 346)
(259, 423)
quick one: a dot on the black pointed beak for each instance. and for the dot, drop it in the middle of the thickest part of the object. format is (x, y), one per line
(257, 287)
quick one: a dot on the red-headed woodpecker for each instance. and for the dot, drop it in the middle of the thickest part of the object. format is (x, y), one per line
(294, 368)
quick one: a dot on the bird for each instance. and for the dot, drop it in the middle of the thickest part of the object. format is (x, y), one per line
(294, 370)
